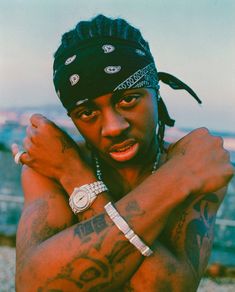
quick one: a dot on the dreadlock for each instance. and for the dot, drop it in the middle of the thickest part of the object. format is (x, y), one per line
(99, 26)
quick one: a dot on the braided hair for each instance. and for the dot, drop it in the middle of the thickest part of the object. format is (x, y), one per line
(100, 26)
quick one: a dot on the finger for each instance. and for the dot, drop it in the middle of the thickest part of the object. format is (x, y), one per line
(201, 131)
(19, 155)
(31, 132)
(25, 158)
(37, 119)
(14, 149)
(28, 145)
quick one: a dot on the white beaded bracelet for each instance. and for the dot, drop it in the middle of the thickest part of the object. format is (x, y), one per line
(128, 232)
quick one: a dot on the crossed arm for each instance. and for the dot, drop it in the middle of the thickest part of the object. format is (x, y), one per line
(55, 252)
(92, 254)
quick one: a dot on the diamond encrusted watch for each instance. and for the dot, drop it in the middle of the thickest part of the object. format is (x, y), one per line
(82, 197)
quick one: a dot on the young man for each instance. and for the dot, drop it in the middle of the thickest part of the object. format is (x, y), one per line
(144, 217)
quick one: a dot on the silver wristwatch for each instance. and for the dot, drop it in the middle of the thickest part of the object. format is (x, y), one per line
(82, 197)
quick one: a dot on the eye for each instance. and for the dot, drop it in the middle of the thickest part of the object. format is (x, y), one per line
(128, 100)
(86, 114)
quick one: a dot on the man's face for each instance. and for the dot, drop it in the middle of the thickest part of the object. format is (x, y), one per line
(120, 126)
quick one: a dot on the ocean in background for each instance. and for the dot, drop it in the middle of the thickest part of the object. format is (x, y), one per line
(12, 129)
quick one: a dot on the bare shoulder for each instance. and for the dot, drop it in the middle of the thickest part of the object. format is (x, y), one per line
(43, 193)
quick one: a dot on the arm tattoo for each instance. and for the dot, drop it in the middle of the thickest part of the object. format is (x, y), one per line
(179, 226)
(87, 270)
(132, 206)
(199, 234)
(73, 279)
(64, 143)
(94, 225)
(36, 229)
(120, 251)
(133, 210)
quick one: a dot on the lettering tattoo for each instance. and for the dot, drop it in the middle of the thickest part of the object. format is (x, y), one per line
(94, 225)
(199, 233)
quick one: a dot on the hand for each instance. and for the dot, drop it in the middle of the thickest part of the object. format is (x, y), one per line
(202, 158)
(50, 151)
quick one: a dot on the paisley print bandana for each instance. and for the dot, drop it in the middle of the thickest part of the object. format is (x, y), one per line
(100, 66)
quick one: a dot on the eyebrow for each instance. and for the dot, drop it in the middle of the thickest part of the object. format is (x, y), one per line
(118, 94)
(115, 96)
(86, 101)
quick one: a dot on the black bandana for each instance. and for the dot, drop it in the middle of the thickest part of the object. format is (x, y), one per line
(102, 66)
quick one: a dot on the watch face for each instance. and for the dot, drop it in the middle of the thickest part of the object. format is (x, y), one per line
(81, 199)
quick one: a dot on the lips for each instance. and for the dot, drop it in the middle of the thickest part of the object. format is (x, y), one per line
(124, 151)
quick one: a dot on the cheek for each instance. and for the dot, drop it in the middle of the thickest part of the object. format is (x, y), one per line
(90, 133)
(148, 117)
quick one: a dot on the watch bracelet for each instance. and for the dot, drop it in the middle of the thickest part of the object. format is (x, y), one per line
(96, 188)
(125, 228)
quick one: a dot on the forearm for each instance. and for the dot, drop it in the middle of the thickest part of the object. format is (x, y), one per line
(161, 272)
(84, 248)
(190, 230)
(182, 251)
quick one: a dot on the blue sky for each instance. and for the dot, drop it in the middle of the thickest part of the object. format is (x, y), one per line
(193, 40)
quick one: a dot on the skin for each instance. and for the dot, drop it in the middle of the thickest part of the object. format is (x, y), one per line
(93, 255)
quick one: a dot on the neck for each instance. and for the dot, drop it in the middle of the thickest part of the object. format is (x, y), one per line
(128, 176)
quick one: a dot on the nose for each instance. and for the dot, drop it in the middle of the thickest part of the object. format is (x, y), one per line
(114, 124)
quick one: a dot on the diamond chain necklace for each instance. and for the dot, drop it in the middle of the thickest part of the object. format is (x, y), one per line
(99, 172)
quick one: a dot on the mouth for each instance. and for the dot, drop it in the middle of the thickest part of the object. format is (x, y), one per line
(124, 151)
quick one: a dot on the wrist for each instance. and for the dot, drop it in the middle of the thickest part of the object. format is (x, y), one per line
(76, 177)
(181, 175)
